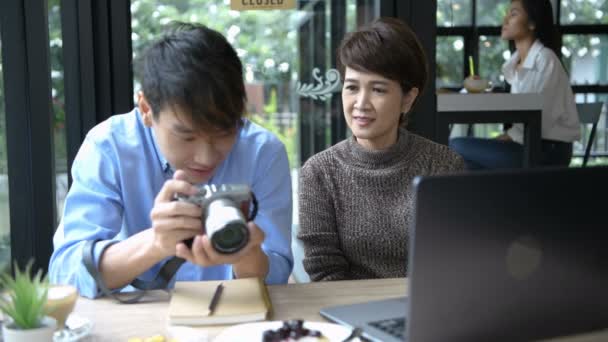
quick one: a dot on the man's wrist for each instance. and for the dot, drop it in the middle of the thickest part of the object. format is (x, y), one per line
(151, 248)
(253, 264)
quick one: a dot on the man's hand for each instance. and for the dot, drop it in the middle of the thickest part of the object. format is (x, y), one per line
(174, 221)
(249, 261)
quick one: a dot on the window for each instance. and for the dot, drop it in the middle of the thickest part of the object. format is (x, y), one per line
(493, 52)
(586, 57)
(583, 28)
(57, 93)
(279, 50)
(289, 66)
(454, 13)
(5, 245)
(491, 12)
(583, 12)
(450, 61)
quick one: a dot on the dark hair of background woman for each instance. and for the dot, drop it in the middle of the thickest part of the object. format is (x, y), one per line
(540, 13)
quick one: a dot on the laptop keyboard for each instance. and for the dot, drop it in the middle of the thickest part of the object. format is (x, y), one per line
(393, 326)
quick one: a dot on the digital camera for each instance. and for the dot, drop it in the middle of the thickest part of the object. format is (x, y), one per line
(224, 209)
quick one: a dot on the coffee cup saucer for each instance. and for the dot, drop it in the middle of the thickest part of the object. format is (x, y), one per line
(76, 328)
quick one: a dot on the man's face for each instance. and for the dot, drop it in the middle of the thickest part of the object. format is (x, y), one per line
(197, 153)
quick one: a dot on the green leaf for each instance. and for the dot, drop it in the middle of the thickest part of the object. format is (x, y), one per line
(25, 299)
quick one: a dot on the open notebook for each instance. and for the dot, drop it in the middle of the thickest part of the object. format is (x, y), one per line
(242, 300)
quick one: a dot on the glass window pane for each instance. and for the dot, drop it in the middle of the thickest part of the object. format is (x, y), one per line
(59, 136)
(454, 13)
(491, 12)
(351, 15)
(584, 12)
(493, 52)
(586, 58)
(450, 61)
(5, 244)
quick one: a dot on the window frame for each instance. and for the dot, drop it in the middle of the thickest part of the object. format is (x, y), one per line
(29, 124)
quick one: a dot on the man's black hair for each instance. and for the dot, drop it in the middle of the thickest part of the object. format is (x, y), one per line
(194, 70)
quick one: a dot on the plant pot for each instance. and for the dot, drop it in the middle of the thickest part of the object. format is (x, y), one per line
(43, 334)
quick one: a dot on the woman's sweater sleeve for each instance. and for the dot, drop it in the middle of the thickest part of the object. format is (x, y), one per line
(324, 259)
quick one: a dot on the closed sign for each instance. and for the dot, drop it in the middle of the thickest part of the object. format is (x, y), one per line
(246, 5)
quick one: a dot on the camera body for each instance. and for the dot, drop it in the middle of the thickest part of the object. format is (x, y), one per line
(224, 208)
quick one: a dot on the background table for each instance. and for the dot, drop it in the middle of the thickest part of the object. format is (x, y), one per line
(493, 108)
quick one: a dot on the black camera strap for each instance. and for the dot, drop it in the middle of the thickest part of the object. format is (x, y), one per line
(161, 282)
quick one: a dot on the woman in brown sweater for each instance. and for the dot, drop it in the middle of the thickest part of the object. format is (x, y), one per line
(356, 200)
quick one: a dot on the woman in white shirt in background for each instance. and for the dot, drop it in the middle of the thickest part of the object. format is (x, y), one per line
(533, 68)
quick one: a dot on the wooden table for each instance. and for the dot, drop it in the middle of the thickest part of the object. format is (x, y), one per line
(119, 322)
(494, 108)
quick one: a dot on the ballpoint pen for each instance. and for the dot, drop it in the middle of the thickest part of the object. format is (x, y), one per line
(215, 299)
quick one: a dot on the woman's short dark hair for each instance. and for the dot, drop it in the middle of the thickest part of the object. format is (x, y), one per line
(540, 13)
(195, 70)
(387, 47)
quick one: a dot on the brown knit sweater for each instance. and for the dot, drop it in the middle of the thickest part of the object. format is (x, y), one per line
(356, 206)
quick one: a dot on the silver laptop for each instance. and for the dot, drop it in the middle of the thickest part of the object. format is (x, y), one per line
(382, 320)
(500, 256)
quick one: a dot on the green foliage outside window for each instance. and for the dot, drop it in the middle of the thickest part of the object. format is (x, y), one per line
(454, 13)
(584, 12)
(57, 91)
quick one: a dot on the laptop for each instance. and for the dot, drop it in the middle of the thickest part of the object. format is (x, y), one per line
(499, 256)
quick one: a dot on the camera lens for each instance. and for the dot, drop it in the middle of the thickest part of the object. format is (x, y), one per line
(226, 226)
(230, 238)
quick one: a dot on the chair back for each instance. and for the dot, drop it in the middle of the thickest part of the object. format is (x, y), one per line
(589, 113)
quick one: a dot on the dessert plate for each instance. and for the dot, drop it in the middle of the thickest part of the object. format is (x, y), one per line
(255, 331)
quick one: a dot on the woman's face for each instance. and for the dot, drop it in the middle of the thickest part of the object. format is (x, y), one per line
(516, 24)
(372, 107)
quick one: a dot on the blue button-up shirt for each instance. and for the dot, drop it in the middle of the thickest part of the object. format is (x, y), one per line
(118, 172)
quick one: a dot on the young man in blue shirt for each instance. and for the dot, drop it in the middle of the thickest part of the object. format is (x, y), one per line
(188, 130)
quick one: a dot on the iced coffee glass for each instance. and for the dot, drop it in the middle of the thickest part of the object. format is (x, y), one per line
(60, 303)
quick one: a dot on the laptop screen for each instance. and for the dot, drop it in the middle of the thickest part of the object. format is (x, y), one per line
(511, 255)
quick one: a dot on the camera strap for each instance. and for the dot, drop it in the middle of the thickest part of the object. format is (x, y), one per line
(161, 281)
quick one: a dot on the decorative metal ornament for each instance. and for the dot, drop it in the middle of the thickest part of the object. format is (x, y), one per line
(323, 89)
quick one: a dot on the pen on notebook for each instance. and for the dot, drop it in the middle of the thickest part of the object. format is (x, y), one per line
(216, 298)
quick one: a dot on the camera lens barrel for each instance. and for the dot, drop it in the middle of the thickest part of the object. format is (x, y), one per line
(226, 226)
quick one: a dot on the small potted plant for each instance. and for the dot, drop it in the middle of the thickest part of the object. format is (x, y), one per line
(23, 304)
